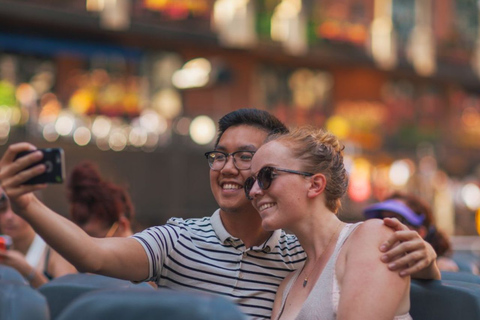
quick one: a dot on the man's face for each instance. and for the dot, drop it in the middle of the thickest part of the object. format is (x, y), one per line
(227, 183)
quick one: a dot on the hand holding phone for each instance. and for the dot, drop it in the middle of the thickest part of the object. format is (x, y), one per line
(53, 159)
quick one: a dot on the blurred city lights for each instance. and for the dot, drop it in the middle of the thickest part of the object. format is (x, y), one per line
(194, 74)
(101, 126)
(65, 123)
(234, 22)
(168, 103)
(49, 133)
(400, 172)
(470, 194)
(153, 122)
(359, 188)
(339, 126)
(117, 140)
(138, 136)
(383, 36)
(202, 130)
(82, 136)
(289, 26)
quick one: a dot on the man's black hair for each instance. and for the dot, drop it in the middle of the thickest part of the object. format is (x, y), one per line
(252, 117)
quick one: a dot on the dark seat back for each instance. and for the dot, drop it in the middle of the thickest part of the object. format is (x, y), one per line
(21, 302)
(442, 300)
(10, 274)
(121, 304)
(460, 276)
(63, 290)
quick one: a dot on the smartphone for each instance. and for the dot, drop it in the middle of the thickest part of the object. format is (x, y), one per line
(54, 160)
(6, 242)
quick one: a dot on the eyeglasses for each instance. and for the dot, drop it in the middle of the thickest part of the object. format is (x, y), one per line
(265, 177)
(242, 160)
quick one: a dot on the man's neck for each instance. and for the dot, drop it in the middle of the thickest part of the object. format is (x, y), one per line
(245, 225)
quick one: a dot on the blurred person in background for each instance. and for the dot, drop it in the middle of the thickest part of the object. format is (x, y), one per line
(101, 208)
(29, 255)
(417, 214)
(227, 253)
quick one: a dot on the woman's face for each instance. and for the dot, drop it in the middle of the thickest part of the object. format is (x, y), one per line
(284, 202)
(13, 225)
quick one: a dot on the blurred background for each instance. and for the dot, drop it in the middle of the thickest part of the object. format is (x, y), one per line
(138, 85)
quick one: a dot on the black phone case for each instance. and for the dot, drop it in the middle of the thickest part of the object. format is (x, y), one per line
(53, 158)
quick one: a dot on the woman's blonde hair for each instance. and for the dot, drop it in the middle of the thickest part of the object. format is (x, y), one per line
(320, 152)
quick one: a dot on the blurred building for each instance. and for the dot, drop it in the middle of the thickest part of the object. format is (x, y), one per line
(138, 85)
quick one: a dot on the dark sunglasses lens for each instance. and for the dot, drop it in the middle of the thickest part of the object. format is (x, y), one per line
(248, 186)
(265, 178)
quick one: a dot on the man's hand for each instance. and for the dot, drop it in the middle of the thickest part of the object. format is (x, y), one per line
(405, 251)
(13, 174)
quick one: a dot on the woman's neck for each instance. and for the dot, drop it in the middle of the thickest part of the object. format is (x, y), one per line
(317, 233)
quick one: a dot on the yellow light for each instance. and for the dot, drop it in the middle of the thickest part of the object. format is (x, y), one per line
(477, 220)
(339, 126)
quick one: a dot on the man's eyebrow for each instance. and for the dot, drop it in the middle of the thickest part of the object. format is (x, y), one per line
(247, 147)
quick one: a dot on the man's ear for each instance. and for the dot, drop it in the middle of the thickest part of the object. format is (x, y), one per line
(318, 182)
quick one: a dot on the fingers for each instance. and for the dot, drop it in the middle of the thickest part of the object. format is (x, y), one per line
(14, 174)
(404, 247)
(13, 150)
(399, 236)
(414, 268)
(395, 224)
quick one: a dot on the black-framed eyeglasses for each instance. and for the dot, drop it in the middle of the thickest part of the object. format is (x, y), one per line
(265, 177)
(241, 159)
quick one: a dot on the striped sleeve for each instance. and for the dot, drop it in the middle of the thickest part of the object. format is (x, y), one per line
(158, 242)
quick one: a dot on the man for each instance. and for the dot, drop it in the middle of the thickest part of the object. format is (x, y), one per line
(228, 253)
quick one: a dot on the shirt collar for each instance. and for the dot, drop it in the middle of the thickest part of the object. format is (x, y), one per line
(218, 227)
(223, 234)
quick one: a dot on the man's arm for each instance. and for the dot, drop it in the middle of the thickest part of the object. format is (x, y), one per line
(116, 257)
(406, 252)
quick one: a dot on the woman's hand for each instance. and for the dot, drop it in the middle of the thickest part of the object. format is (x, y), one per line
(406, 252)
(16, 260)
(13, 173)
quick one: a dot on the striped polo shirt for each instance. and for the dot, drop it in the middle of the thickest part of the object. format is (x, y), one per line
(200, 255)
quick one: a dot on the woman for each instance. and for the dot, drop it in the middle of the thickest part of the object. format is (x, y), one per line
(101, 208)
(417, 215)
(30, 255)
(300, 178)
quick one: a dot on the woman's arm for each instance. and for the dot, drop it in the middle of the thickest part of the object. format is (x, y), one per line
(369, 290)
(116, 257)
(407, 253)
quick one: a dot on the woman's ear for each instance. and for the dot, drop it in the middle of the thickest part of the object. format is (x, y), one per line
(124, 227)
(318, 182)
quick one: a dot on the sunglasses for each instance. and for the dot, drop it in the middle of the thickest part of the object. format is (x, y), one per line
(265, 177)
